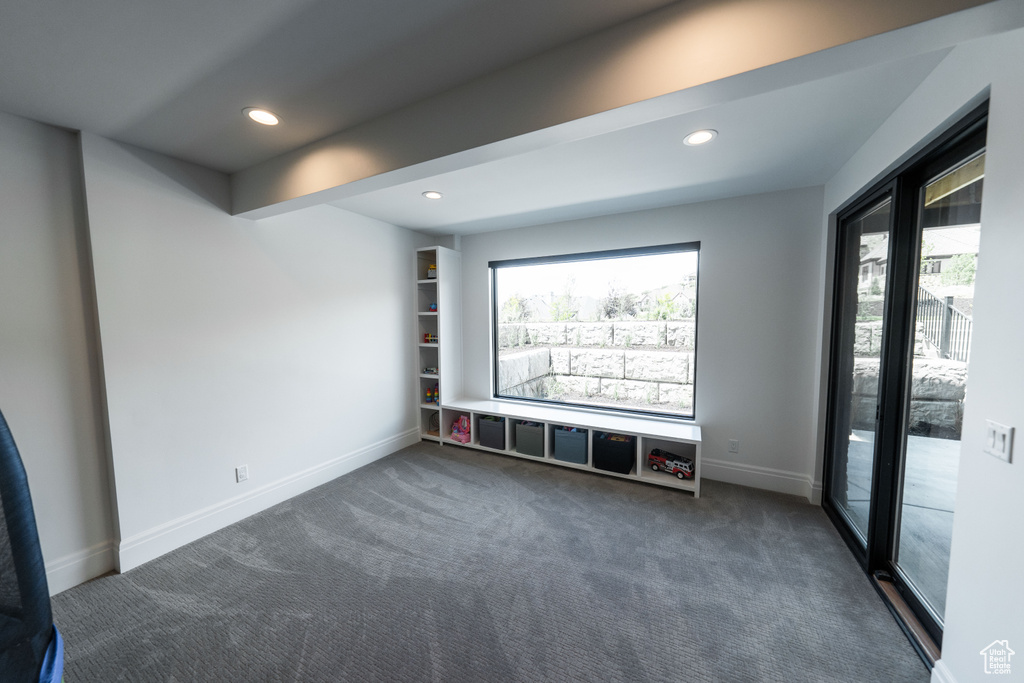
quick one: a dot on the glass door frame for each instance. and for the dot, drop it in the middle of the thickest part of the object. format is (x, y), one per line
(905, 187)
(847, 262)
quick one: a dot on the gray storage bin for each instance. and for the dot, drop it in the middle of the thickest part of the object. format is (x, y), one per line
(571, 446)
(530, 439)
(492, 433)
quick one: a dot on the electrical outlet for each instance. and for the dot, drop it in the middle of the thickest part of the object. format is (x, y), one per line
(242, 474)
(999, 440)
(734, 446)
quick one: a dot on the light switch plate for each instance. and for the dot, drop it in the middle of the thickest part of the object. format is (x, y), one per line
(999, 440)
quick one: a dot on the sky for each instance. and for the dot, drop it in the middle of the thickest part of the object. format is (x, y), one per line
(594, 278)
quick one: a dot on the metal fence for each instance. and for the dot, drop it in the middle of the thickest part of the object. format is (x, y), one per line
(944, 326)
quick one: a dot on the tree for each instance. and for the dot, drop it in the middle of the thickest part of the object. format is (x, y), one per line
(565, 307)
(618, 304)
(514, 310)
(665, 307)
(961, 270)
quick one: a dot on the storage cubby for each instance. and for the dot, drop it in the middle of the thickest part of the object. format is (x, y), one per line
(428, 359)
(614, 452)
(677, 463)
(489, 431)
(429, 392)
(426, 296)
(430, 422)
(425, 258)
(569, 444)
(427, 325)
(527, 438)
(448, 419)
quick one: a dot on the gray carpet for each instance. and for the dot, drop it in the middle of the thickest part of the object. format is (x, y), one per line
(447, 564)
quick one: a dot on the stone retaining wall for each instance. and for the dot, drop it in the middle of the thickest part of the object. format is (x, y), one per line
(617, 334)
(519, 372)
(639, 376)
(937, 393)
(868, 340)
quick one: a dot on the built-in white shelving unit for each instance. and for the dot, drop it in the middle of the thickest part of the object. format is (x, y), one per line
(681, 439)
(438, 286)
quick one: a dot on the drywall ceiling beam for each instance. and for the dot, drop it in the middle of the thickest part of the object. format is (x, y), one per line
(672, 50)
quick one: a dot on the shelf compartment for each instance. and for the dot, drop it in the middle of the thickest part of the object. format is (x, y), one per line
(427, 330)
(426, 294)
(614, 452)
(672, 459)
(430, 422)
(424, 259)
(429, 386)
(570, 446)
(448, 418)
(528, 439)
(490, 429)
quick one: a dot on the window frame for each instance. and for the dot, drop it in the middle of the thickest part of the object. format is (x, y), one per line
(653, 250)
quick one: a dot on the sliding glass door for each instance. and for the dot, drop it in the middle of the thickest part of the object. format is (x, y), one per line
(901, 338)
(949, 231)
(860, 330)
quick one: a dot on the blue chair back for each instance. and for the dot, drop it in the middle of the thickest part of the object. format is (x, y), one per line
(26, 623)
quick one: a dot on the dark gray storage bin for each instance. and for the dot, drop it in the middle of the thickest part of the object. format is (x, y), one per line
(571, 446)
(492, 433)
(530, 439)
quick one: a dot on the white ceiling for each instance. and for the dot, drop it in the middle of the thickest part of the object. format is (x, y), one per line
(792, 137)
(172, 76)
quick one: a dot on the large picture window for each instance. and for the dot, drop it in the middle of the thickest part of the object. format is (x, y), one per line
(613, 329)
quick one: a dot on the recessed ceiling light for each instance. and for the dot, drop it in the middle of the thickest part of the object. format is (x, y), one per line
(261, 116)
(432, 194)
(700, 137)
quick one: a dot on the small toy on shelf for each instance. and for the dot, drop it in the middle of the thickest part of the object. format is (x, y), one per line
(429, 338)
(671, 463)
(432, 308)
(460, 429)
(429, 370)
(432, 270)
(437, 394)
(430, 395)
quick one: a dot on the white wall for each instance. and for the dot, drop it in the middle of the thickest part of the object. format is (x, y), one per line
(48, 374)
(757, 332)
(985, 598)
(283, 345)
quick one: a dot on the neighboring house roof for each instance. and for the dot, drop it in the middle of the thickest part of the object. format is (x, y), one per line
(879, 253)
(939, 243)
(962, 239)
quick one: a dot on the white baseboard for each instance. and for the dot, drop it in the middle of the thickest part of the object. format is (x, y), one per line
(781, 481)
(942, 674)
(153, 543)
(80, 566)
(815, 494)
